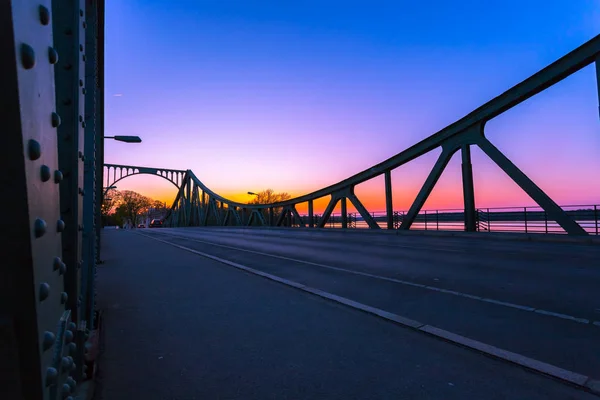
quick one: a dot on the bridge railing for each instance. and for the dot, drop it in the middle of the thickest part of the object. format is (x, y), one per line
(529, 219)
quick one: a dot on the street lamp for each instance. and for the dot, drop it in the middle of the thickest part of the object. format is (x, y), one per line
(126, 139)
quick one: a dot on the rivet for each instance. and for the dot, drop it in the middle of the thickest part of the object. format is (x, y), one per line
(39, 227)
(64, 297)
(83, 91)
(72, 348)
(58, 176)
(73, 366)
(83, 123)
(68, 336)
(57, 263)
(72, 326)
(80, 82)
(84, 25)
(66, 389)
(35, 149)
(80, 120)
(51, 375)
(45, 173)
(67, 362)
(27, 56)
(44, 291)
(83, 58)
(44, 15)
(52, 55)
(49, 339)
(80, 12)
(55, 120)
(80, 154)
(62, 269)
(71, 382)
(80, 47)
(60, 225)
(68, 67)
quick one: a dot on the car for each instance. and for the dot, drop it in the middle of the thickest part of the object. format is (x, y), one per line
(141, 226)
(155, 223)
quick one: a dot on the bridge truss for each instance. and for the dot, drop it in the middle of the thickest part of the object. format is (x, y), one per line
(195, 204)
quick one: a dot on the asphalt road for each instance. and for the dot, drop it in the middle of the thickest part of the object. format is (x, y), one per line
(180, 326)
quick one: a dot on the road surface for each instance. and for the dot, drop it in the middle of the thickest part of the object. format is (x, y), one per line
(182, 326)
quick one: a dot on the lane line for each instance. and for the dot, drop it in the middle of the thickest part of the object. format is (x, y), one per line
(402, 282)
(582, 381)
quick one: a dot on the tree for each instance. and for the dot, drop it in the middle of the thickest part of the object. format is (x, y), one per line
(132, 205)
(269, 196)
(110, 201)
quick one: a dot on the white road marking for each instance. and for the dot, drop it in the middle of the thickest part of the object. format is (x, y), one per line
(515, 358)
(402, 282)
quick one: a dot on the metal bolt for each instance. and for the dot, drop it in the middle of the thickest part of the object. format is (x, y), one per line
(44, 291)
(66, 389)
(51, 375)
(68, 336)
(48, 341)
(71, 382)
(72, 326)
(62, 269)
(67, 362)
(45, 173)
(80, 82)
(58, 176)
(60, 225)
(84, 92)
(35, 149)
(80, 120)
(57, 263)
(27, 56)
(80, 12)
(55, 120)
(52, 55)
(83, 123)
(44, 15)
(80, 47)
(72, 348)
(64, 297)
(84, 25)
(83, 58)
(39, 227)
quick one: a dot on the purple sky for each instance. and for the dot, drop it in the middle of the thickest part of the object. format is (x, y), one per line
(298, 97)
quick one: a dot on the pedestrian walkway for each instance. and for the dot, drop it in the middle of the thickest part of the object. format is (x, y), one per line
(180, 326)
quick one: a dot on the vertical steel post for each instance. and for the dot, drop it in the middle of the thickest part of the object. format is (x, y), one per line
(271, 216)
(468, 189)
(389, 208)
(311, 222)
(69, 38)
(344, 213)
(597, 62)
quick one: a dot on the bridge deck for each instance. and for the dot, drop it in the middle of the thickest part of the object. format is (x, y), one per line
(181, 326)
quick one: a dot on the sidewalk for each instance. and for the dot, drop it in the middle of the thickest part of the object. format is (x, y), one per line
(179, 326)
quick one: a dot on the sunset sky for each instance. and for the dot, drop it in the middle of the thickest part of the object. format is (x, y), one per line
(298, 95)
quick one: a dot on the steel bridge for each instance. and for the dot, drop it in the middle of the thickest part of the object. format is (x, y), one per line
(52, 108)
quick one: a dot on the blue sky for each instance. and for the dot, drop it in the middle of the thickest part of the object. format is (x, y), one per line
(298, 95)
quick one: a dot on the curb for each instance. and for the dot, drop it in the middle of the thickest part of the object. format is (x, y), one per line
(573, 378)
